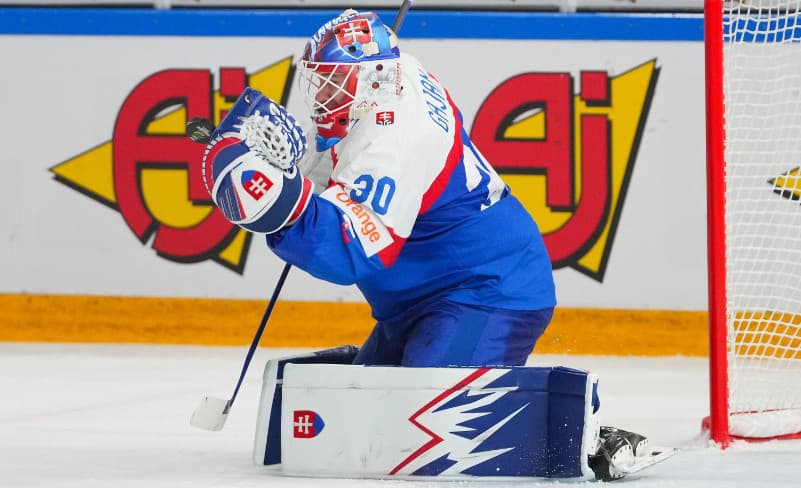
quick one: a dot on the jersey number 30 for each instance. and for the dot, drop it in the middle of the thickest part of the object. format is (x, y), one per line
(379, 192)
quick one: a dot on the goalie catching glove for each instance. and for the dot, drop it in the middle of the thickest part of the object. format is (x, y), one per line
(249, 167)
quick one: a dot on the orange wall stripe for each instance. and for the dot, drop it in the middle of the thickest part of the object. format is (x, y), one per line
(95, 319)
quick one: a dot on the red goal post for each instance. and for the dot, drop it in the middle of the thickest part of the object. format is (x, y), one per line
(753, 110)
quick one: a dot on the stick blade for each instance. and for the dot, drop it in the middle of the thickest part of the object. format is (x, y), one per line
(211, 414)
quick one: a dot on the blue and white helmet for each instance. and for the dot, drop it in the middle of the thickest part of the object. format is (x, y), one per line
(349, 67)
(350, 38)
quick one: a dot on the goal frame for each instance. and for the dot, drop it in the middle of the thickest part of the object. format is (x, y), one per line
(718, 422)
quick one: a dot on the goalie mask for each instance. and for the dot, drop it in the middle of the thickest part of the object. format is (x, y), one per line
(349, 67)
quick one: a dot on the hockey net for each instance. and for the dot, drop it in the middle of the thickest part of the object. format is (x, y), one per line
(753, 56)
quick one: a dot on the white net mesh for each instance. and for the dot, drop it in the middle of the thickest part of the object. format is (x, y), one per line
(762, 90)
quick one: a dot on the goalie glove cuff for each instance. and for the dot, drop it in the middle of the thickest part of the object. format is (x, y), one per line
(261, 198)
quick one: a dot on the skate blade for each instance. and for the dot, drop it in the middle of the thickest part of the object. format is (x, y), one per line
(656, 455)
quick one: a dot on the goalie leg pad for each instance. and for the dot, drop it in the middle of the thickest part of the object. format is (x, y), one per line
(267, 446)
(440, 423)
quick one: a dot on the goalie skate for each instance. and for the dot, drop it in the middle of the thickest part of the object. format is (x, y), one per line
(621, 453)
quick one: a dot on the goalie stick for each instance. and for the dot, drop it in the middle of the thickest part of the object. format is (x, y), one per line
(212, 412)
(404, 8)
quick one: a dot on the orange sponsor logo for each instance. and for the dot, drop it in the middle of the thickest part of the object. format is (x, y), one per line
(363, 216)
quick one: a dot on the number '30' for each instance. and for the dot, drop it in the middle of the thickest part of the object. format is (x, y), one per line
(379, 192)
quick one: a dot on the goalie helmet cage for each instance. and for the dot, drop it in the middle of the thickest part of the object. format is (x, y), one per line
(753, 109)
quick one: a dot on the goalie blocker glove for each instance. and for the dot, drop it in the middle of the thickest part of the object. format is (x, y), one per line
(249, 167)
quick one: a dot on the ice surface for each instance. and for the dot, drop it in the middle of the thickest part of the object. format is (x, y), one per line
(118, 416)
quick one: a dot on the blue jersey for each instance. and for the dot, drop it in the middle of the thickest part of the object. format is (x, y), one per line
(413, 212)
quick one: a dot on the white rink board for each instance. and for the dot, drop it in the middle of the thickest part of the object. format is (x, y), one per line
(63, 94)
